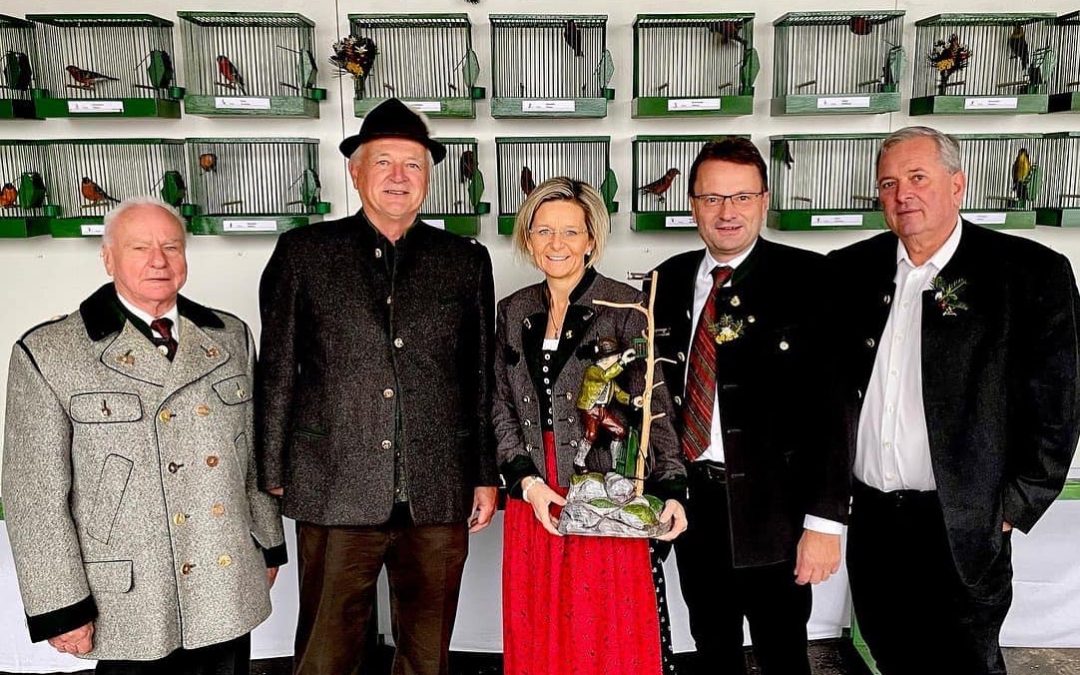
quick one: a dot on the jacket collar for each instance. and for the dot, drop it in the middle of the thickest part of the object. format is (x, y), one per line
(103, 314)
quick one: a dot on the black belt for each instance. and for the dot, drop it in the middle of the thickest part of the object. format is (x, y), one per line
(708, 470)
(895, 498)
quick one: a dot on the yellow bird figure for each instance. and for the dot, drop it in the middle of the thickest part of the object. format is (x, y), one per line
(1021, 175)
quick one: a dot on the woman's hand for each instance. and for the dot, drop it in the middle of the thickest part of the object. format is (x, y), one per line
(673, 509)
(537, 493)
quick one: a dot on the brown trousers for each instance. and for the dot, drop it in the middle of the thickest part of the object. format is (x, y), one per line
(338, 569)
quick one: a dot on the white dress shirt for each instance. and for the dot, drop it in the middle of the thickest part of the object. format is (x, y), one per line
(715, 451)
(893, 447)
(173, 315)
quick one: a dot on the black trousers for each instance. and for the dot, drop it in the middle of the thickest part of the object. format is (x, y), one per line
(225, 658)
(718, 595)
(338, 570)
(908, 596)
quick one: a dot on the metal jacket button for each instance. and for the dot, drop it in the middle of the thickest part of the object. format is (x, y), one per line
(388, 393)
(165, 415)
(212, 461)
(386, 444)
(202, 410)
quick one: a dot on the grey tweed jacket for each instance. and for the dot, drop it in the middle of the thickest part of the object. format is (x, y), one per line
(129, 482)
(521, 372)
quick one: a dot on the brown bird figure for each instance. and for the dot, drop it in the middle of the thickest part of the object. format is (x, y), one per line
(87, 79)
(229, 73)
(527, 182)
(466, 166)
(727, 31)
(94, 193)
(208, 162)
(661, 185)
(8, 196)
(1018, 45)
(572, 34)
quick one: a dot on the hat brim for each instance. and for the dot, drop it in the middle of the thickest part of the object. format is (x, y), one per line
(350, 144)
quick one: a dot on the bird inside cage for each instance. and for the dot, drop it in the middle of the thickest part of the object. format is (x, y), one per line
(87, 79)
(94, 194)
(230, 74)
(17, 71)
(661, 185)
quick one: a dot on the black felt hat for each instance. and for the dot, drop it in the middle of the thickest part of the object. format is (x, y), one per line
(393, 119)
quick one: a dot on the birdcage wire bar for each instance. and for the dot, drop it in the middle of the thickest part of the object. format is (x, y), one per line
(861, 76)
(119, 168)
(550, 65)
(17, 49)
(1058, 202)
(1064, 84)
(253, 185)
(824, 182)
(995, 79)
(689, 65)
(581, 158)
(450, 202)
(250, 64)
(990, 198)
(21, 214)
(74, 49)
(425, 60)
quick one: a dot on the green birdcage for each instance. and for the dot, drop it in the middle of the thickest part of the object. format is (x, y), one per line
(1004, 178)
(456, 189)
(258, 64)
(1065, 80)
(1059, 201)
(828, 63)
(525, 162)
(88, 177)
(824, 182)
(253, 185)
(23, 193)
(105, 65)
(982, 64)
(661, 198)
(688, 65)
(17, 50)
(550, 65)
(425, 60)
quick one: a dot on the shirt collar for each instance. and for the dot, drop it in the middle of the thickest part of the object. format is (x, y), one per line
(941, 257)
(173, 314)
(708, 262)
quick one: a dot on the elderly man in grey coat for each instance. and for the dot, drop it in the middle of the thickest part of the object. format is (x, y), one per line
(139, 534)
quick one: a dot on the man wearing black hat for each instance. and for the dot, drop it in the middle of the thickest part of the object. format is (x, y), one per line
(373, 400)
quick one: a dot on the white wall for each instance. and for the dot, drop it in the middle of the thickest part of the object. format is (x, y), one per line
(42, 277)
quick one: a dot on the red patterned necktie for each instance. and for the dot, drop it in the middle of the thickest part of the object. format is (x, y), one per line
(701, 374)
(164, 328)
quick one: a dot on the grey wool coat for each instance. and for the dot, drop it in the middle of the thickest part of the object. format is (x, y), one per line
(520, 375)
(129, 482)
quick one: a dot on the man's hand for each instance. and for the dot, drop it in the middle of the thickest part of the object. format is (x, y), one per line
(78, 641)
(483, 508)
(818, 557)
(277, 492)
(673, 509)
(271, 576)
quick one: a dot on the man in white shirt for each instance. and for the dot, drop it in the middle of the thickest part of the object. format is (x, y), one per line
(759, 419)
(962, 356)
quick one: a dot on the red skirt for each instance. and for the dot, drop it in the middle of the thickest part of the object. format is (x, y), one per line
(575, 605)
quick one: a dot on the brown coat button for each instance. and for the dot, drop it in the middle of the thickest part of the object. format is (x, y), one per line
(212, 461)
(165, 415)
(224, 560)
(202, 410)
(217, 510)
(180, 518)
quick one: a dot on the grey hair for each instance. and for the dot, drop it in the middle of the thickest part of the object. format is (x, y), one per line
(948, 148)
(120, 210)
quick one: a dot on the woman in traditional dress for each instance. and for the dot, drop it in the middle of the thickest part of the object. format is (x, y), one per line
(585, 605)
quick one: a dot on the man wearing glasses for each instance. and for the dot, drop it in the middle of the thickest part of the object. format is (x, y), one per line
(759, 420)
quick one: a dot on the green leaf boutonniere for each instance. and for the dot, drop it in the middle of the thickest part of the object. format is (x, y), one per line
(726, 329)
(947, 295)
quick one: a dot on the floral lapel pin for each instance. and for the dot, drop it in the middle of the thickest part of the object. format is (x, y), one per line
(727, 329)
(947, 295)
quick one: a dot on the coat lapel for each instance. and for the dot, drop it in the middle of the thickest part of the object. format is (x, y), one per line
(132, 355)
(197, 355)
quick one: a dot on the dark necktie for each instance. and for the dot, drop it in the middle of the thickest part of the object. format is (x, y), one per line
(701, 374)
(164, 328)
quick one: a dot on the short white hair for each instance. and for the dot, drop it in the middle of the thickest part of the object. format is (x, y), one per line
(121, 209)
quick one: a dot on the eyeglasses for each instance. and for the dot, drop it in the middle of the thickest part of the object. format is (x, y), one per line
(741, 200)
(547, 234)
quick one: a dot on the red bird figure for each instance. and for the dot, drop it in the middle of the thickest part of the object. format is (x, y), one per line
(661, 185)
(860, 25)
(229, 73)
(94, 193)
(87, 79)
(8, 196)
